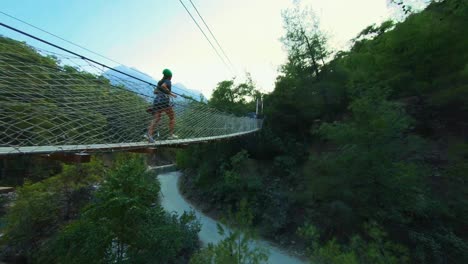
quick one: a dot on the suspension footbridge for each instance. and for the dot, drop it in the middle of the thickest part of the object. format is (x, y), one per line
(57, 102)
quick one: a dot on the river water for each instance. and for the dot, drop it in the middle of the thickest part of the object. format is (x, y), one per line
(173, 201)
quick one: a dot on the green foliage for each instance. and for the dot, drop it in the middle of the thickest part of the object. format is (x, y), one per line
(234, 98)
(370, 165)
(238, 246)
(124, 224)
(40, 208)
(235, 178)
(14, 171)
(36, 120)
(375, 250)
(236, 185)
(223, 175)
(439, 245)
(376, 132)
(306, 44)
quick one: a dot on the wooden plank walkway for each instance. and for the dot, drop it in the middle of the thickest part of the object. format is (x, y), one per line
(113, 147)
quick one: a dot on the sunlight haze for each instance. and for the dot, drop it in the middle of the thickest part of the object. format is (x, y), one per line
(152, 35)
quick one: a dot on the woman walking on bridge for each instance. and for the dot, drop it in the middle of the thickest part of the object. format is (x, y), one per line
(162, 104)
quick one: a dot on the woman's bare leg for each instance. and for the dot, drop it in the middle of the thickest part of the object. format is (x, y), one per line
(154, 122)
(171, 115)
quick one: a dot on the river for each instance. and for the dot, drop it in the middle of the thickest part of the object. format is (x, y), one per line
(172, 201)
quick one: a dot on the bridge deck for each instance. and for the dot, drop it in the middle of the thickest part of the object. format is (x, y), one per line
(112, 147)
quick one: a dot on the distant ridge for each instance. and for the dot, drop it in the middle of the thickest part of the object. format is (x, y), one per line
(143, 88)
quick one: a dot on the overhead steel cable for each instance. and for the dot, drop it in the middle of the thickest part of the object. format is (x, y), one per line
(206, 37)
(86, 58)
(52, 34)
(72, 43)
(209, 30)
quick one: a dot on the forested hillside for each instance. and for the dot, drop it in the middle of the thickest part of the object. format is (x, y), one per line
(44, 103)
(65, 104)
(82, 213)
(364, 154)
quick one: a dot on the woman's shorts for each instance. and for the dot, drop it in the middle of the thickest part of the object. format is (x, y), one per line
(161, 103)
(160, 107)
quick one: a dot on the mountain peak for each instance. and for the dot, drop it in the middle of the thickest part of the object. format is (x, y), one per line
(131, 84)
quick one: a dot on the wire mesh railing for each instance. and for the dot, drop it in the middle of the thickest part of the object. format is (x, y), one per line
(52, 102)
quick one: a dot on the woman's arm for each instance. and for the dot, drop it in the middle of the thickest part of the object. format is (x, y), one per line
(164, 86)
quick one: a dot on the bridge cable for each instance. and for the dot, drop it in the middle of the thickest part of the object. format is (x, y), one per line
(72, 43)
(206, 37)
(88, 59)
(219, 45)
(52, 34)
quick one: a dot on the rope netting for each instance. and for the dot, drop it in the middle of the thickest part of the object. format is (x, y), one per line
(53, 102)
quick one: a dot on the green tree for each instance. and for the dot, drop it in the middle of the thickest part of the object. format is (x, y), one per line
(124, 224)
(375, 249)
(41, 208)
(238, 246)
(369, 166)
(35, 105)
(380, 135)
(235, 98)
(306, 43)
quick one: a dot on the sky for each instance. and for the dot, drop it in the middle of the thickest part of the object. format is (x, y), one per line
(151, 35)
